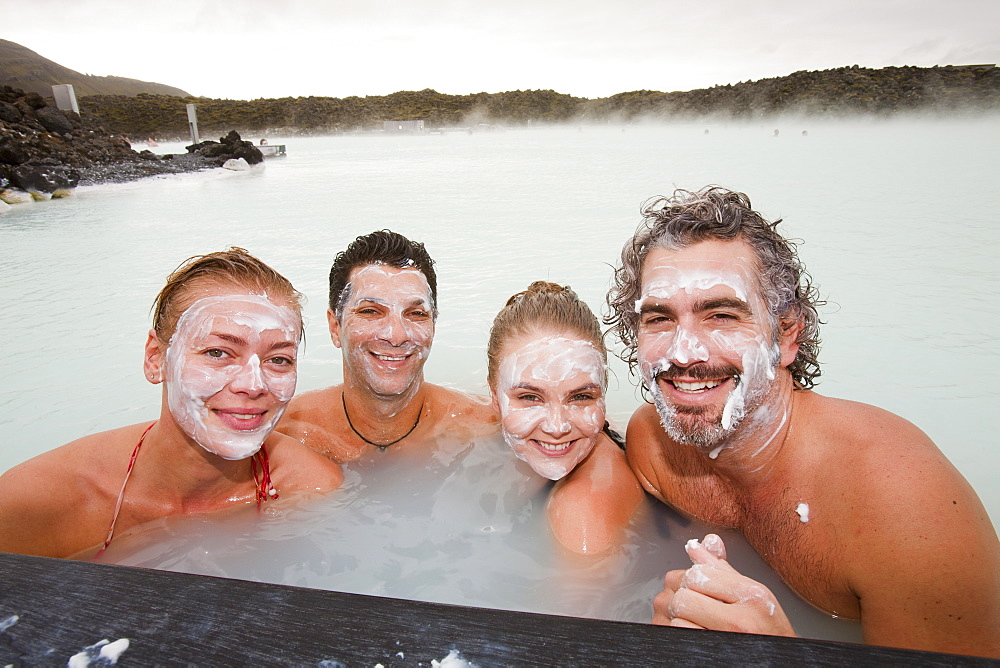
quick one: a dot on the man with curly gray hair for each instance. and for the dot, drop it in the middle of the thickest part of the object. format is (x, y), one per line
(855, 508)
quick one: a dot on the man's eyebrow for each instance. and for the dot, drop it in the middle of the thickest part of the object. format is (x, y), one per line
(655, 308)
(725, 303)
(416, 301)
(373, 300)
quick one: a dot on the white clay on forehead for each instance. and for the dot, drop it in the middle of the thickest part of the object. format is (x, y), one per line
(385, 287)
(551, 360)
(263, 315)
(665, 280)
(190, 385)
(381, 284)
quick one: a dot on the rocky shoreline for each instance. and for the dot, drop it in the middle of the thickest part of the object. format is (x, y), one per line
(46, 152)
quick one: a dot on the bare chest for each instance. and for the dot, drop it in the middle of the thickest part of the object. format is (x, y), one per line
(790, 531)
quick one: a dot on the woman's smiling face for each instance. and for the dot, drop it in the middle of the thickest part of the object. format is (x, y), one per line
(550, 396)
(230, 370)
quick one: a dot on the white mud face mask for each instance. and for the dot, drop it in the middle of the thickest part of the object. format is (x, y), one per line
(550, 393)
(230, 371)
(747, 349)
(387, 326)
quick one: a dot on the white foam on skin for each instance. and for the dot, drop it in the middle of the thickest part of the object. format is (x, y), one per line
(803, 511)
(556, 366)
(685, 344)
(395, 335)
(194, 376)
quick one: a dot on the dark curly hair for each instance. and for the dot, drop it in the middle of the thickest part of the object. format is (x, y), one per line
(380, 247)
(687, 218)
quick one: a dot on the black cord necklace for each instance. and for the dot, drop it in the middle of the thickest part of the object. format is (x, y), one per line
(380, 446)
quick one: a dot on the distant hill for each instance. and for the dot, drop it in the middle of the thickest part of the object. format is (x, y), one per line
(844, 92)
(20, 67)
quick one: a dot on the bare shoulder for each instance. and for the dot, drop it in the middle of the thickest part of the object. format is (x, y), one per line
(656, 464)
(471, 407)
(57, 503)
(880, 457)
(470, 413)
(914, 541)
(314, 406)
(883, 451)
(311, 419)
(297, 467)
(591, 506)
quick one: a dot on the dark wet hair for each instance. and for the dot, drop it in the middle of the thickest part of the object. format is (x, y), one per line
(380, 247)
(543, 305)
(233, 266)
(688, 218)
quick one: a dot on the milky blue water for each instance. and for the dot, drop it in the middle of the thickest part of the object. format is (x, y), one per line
(900, 227)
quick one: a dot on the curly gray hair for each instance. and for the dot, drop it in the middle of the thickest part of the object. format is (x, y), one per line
(687, 218)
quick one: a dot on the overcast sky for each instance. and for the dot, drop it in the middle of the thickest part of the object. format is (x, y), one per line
(247, 49)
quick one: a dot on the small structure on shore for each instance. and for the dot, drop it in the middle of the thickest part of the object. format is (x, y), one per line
(272, 150)
(403, 126)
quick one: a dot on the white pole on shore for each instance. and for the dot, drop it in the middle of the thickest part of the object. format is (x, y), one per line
(193, 123)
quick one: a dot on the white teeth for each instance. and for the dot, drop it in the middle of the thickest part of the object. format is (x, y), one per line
(391, 358)
(554, 447)
(697, 386)
(244, 416)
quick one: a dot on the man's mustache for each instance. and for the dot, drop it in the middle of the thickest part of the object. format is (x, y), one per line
(703, 371)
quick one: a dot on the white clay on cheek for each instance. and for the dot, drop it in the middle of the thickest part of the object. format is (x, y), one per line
(758, 362)
(192, 378)
(758, 358)
(551, 364)
(683, 346)
(397, 291)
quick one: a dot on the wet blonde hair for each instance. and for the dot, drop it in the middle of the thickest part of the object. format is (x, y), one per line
(543, 306)
(233, 266)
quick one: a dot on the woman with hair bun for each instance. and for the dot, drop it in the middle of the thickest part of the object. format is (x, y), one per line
(547, 374)
(226, 331)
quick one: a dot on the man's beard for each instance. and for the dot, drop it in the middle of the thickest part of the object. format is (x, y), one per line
(702, 426)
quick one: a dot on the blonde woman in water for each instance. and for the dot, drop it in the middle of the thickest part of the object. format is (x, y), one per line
(547, 377)
(226, 331)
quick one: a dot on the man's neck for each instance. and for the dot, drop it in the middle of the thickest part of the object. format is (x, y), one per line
(383, 419)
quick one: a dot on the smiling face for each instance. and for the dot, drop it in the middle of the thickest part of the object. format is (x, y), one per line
(550, 396)
(230, 370)
(385, 329)
(707, 349)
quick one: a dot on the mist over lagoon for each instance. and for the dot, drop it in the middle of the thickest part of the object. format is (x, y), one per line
(898, 222)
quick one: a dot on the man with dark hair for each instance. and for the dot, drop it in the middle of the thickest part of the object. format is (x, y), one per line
(382, 310)
(855, 508)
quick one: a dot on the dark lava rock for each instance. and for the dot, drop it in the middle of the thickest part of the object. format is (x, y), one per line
(43, 148)
(9, 113)
(228, 147)
(54, 120)
(44, 179)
